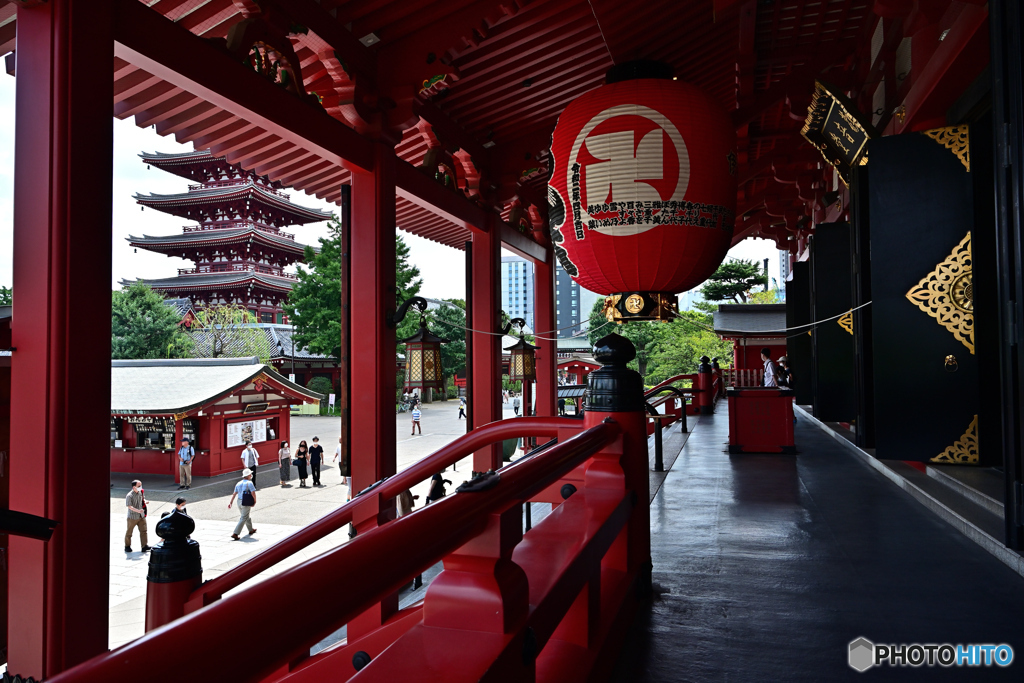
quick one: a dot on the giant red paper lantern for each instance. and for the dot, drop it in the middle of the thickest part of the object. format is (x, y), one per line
(643, 188)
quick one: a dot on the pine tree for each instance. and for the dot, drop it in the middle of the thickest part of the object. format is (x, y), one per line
(733, 280)
(143, 326)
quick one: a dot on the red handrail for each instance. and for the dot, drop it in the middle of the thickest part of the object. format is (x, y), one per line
(370, 561)
(670, 380)
(485, 435)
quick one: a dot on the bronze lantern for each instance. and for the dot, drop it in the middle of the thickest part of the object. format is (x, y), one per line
(423, 360)
(422, 350)
(522, 364)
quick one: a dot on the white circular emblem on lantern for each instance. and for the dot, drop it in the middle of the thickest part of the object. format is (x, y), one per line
(626, 164)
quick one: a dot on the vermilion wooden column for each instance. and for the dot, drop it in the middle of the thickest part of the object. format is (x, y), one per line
(373, 350)
(60, 384)
(486, 376)
(544, 322)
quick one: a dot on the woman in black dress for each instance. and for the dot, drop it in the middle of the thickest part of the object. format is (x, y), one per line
(302, 455)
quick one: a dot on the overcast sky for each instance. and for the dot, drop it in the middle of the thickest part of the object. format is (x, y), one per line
(441, 267)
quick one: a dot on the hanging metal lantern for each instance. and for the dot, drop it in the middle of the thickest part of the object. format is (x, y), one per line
(643, 189)
(423, 360)
(422, 352)
(522, 364)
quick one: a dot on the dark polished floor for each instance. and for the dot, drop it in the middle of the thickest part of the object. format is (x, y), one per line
(766, 567)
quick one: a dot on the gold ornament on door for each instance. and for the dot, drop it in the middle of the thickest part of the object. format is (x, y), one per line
(947, 294)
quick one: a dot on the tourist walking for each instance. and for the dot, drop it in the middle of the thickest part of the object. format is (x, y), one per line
(250, 459)
(462, 407)
(302, 462)
(437, 491)
(561, 406)
(245, 491)
(316, 456)
(515, 403)
(284, 457)
(136, 503)
(186, 454)
(342, 465)
(416, 420)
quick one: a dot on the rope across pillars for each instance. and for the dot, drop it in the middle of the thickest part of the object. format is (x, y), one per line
(486, 359)
(372, 369)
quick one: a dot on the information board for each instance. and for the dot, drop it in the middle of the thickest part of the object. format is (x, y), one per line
(240, 432)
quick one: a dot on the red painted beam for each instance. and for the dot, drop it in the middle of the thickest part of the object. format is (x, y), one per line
(422, 190)
(168, 51)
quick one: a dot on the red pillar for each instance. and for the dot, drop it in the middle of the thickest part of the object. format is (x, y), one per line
(60, 384)
(373, 350)
(544, 322)
(486, 347)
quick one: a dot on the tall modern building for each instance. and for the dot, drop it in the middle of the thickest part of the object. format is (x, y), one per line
(517, 288)
(572, 304)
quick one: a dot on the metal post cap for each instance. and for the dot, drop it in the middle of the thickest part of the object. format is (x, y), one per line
(178, 557)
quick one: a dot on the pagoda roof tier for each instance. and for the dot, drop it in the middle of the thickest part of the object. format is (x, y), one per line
(184, 203)
(202, 282)
(210, 238)
(191, 165)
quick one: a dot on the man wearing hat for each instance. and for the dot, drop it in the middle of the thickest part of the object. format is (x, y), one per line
(785, 374)
(186, 454)
(244, 507)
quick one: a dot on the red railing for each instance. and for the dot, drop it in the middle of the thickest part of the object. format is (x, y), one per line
(236, 268)
(387, 489)
(228, 225)
(490, 615)
(743, 378)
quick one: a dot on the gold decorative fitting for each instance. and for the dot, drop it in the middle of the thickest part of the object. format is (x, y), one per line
(846, 321)
(179, 416)
(610, 311)
(965, 450)
(947, 294)
(901, 113)
(954, 138)
(634, 303)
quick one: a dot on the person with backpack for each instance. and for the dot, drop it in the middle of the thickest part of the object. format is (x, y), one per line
(462, 407)
(437, 492)
(246, 494)
(186, 454)
(785, 373)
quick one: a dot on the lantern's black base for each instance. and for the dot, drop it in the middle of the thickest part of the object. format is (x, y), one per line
(661, 306)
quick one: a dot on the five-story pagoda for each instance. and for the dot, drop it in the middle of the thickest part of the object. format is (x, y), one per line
(238, 247)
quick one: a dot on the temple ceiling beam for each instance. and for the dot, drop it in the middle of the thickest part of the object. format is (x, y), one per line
(146, 39)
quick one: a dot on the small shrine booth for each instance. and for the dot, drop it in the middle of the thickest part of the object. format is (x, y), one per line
(574, 369)
(217, 403)
(751, 327)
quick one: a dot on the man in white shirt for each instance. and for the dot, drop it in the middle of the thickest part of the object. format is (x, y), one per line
(250, 460)
(770, 370)
(341, 464)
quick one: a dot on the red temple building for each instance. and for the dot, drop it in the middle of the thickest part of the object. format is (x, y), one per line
(238, 246)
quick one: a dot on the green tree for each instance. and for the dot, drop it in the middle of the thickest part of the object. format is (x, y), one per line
(6, 296)
(449, 322)
(143, 326)
(733, 280)
(314, 304)
(229, 331)
(640, 332)
(680, 344)
(407, 285)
